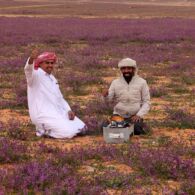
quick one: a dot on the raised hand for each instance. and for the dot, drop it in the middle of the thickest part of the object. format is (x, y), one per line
(34, 54)
(105, 92)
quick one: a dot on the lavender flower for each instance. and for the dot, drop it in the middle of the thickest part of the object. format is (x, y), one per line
(12, 151)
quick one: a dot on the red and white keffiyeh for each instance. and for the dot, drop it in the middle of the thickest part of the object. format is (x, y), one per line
(44, 57)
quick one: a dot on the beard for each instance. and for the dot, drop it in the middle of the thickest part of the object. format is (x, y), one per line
(128, 76)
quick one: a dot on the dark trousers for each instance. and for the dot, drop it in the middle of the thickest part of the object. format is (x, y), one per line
(139, 127)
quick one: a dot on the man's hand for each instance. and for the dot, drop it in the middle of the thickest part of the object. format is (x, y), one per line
(135, 118)
(105, 92)
(33, 56)
(71, 115)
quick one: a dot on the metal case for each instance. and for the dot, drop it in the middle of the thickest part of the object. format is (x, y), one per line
(117, 135)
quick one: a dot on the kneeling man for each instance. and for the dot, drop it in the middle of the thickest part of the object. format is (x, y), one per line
(131, 94)
(49, 112)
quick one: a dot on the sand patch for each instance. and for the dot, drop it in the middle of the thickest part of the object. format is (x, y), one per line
(121, 168)
(75, 142)
(8, 114)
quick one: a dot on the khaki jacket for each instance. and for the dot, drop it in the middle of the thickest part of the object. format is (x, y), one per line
(131, 99)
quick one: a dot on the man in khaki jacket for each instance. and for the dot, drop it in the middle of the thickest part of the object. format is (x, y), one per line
(131, 94)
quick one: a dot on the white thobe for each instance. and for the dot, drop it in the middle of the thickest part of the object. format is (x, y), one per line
(47, 108)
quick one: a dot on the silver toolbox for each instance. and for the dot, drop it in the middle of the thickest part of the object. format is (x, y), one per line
(116, 134)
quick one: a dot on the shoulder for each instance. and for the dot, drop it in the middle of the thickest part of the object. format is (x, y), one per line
(53, 78)
(140, 80)
(39, 71)
(116, 81)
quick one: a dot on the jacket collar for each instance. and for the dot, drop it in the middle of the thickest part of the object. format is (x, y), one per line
(124, 81)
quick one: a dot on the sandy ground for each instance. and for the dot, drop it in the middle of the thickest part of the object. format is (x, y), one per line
(156, 113)
(89, 141)
(100, 9)
(139, 2)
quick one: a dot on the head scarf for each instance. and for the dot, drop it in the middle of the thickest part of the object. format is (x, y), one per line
(44, 57)
(127, 62)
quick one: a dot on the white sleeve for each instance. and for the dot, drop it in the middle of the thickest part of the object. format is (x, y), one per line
(29, 72)
(145, 101)
(66, 105)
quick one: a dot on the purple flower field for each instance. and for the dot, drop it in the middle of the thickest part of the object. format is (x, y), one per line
(88, 50)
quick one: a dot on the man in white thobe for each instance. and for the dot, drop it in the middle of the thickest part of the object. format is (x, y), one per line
(131, 94)
(49, 112)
